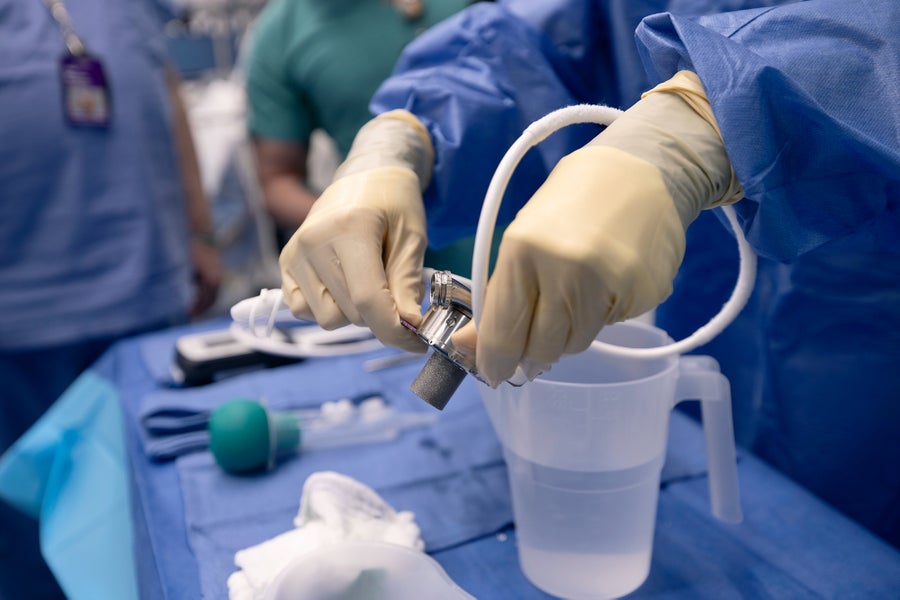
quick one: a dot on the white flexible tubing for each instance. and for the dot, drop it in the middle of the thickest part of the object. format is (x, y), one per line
(538, 132)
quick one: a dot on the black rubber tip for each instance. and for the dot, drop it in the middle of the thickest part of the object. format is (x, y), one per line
(438, 380)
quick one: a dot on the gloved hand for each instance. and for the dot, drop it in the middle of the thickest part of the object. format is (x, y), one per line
(358, 256)
(602, 239)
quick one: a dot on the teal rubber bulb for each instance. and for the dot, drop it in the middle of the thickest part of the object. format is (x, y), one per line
(244, 436)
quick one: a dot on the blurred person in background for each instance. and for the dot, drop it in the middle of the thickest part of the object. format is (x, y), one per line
(104, 228)
(315, 64)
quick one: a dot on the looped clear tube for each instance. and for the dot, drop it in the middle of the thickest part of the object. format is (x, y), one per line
(538, 132)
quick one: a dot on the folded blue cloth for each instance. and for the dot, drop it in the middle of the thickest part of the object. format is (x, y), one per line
(166, 414)
(168, 447)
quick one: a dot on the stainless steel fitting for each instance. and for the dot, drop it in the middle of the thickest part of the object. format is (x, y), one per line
(450, 310)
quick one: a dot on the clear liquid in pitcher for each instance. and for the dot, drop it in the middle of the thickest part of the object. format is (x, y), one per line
(584, 535)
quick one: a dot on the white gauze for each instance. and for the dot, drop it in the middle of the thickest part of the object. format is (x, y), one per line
(333, 508)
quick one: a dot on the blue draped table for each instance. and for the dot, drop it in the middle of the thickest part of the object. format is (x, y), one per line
(170, 529)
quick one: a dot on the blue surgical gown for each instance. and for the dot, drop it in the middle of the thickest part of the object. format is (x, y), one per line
(806, 94)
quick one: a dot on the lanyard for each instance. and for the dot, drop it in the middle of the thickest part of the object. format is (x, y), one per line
(61, 16)
(86, 97)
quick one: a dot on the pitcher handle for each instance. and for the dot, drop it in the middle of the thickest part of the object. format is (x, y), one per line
(700, 379)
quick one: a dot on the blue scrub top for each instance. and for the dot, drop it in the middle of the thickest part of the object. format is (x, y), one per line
(806, 94)
(92, 222)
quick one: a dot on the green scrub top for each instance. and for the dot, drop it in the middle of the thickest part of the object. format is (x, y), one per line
(317, 63)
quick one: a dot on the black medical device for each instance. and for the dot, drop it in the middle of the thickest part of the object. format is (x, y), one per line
(205, 357)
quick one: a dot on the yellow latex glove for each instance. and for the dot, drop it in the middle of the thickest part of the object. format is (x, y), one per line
(602, 239)
(358, 256)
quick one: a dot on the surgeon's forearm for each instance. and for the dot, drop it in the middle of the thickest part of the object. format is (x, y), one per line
(281, 165)
(287, 199)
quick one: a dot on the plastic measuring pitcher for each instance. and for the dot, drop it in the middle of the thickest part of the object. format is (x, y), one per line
(585, 445)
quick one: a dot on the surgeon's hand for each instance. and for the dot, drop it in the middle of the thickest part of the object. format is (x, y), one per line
(358, 256)
(602, 239)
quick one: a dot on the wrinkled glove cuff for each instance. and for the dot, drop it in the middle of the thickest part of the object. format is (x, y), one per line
(687, 86)
(673, 129)
(392, 139)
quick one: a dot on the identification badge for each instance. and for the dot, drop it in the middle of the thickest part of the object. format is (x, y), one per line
(85, 91)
